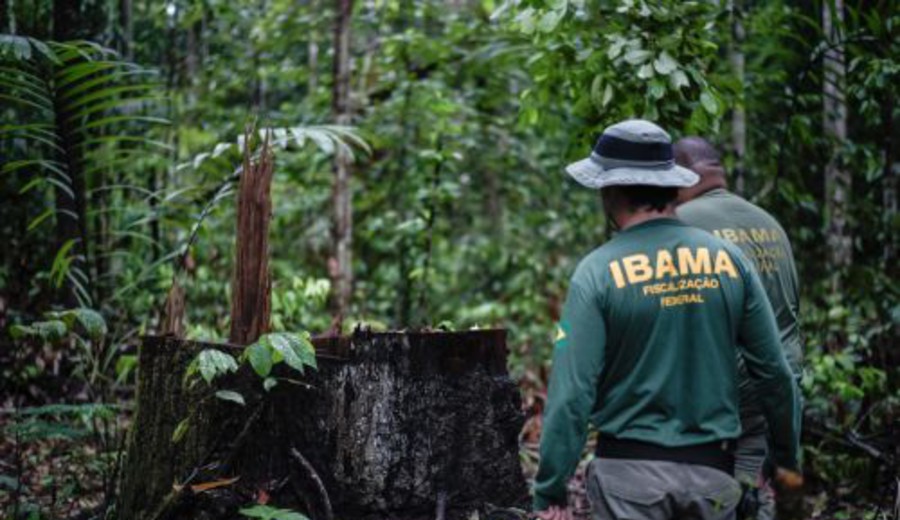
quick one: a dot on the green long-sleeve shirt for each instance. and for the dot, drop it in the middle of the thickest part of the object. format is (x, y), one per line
(764, 241)
(646, 350)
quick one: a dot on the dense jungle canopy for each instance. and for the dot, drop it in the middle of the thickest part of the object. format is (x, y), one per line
(418, 182)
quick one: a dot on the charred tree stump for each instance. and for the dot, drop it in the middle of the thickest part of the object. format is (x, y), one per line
(393, 425)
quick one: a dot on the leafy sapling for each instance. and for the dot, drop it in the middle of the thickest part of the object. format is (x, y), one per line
(294, 349)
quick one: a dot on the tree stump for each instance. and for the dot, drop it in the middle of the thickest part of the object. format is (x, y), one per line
(392, 425)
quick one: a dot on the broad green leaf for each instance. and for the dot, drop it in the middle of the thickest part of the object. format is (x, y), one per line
(709, 103)
(645, 72)
(637, 56)
(125, 365)
(51, 331)
(526, 20)
(607, 95)
(20, 331)
(89, 320)
(260, 359)
(296, 349)
(231, 395)
(550, 20)
(213, 363)
(180, 430)
(657, 89)
(678, 79)
(264, 512)
(665, 63)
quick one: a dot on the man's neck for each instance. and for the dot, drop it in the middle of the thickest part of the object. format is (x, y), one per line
(627, 220)
(706, 185)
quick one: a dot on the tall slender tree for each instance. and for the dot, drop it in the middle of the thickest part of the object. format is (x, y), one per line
(838, 180)
(341, 263)
(738, 114)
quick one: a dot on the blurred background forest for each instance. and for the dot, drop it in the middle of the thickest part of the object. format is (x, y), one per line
(419, 149)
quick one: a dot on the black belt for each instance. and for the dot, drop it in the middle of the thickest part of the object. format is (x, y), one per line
(718, 455)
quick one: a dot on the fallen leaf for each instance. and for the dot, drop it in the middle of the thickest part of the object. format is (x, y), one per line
(206, 486)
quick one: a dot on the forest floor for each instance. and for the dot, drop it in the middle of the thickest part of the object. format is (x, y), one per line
(57, 469)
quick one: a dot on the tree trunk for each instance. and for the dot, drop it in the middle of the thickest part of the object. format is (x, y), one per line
(10, 16)
(890, 173)
(394, 425)
(79, 20)
(312, 57)
(126, 27)
(342, 268)
(738, 113)
(838, 180)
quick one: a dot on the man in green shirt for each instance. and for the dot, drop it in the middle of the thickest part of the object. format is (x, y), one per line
(710, 206)
(646, 351)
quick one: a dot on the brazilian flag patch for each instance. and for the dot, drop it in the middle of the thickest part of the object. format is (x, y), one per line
(561, 337)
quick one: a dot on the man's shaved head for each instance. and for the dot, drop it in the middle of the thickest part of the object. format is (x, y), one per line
(699, 155)
(692, 150)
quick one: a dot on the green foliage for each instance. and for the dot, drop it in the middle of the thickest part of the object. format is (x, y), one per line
(212, 363)
(56, 421)
(79, 115)
(86, 322)
(264, 512)
(296, 350)
(610, 61)
(462, 212)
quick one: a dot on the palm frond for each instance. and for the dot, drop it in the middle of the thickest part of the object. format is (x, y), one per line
(77, 111)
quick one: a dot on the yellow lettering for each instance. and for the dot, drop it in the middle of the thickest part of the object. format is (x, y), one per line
(681, 299)
(759, 235)
(637, 268)
(690, 264)
(729, 235)
(664, 264)
(617, 273)
(743, 236)
(724, 264)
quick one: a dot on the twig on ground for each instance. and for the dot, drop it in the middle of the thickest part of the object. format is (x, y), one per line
(311, 471)
(441, 512)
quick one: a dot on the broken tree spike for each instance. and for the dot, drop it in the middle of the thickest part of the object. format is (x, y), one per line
(252, 283)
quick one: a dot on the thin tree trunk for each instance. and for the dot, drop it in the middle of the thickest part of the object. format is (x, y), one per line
(79, 20)
(889, 195)
(313, 54)
(191, 63)
(341, 269)
(126, 27)
(738, 114)
(838, 181)
(11, 16)
(158, 180)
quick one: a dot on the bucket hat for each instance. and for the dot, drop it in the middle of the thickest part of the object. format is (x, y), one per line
(632, 152)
